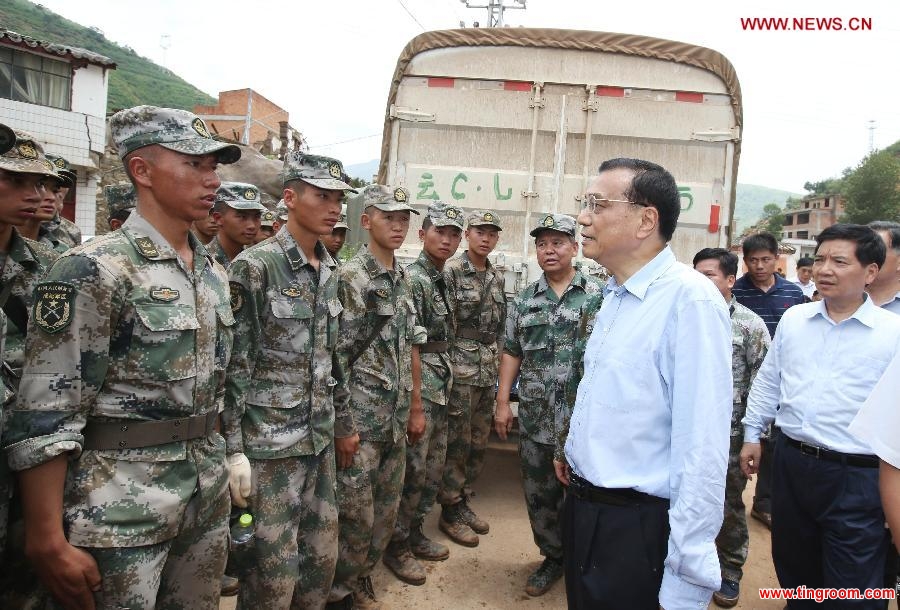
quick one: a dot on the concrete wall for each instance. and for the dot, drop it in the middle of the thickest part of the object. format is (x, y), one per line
(265, 114)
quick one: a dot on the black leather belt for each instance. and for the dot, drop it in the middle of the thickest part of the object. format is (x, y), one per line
(477, 335)
(134, 434)
(434, 347)
(587, 491)
(821, 453)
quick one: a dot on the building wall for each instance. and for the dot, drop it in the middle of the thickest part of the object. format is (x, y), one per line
(89, 87)
(264, 113)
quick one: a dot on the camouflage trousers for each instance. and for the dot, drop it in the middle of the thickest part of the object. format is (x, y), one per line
(424, 469)
(544, 495)
(368, 494)
(470, 412)
(183, 573)
(295, 547)
(733, 540)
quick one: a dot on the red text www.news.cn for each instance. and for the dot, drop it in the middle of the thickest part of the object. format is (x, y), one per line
(821, 595)
(807, 24)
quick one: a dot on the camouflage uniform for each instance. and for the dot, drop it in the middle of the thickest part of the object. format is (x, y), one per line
(62, 232)
(279, 413)
(371, 399)
(478, 303)
(749, 345)
(7, 141)
(425, 460)
(548, 334)
(238, 196)
(120, 198)
(123, 331)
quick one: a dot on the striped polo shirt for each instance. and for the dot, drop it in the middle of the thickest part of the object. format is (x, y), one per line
(769, 305)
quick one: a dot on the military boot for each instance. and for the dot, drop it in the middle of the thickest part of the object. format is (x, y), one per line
(424, 548)
(344, 604)
(543, 578)
(401, 562)
(230, 586)
(478, 525)
(452, 524)
(364, 596)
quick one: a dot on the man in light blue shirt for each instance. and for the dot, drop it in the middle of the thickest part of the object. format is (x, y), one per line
(885, 289)
(648, 442)
(827, 522)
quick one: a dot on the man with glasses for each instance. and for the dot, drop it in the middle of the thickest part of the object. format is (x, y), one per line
(768, 295)
(647, 450)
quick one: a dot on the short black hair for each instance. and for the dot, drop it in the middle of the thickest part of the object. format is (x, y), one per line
(760, 241)
(805, 261)
(728, 261)
(426, 222)
(870, 248)
(654, 186)
(891, 228)
(120, 215)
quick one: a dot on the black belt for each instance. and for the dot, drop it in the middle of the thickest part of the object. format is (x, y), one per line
(477, 335)
(134, 434)
(434, 347)
(587, 491)
(821, 453)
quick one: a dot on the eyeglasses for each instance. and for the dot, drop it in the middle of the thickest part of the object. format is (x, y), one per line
(594, 203)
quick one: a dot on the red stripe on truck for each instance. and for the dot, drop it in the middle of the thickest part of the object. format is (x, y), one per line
(611, 91)
(434, 81)
(689, 96)
(714, 210)
(516, 85)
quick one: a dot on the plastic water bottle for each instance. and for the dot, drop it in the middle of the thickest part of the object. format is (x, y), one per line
(242, 537)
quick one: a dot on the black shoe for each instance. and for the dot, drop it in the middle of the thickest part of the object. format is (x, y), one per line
(344, 604)
(728, 594)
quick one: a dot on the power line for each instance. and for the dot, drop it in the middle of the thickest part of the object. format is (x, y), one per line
(347, 141)
(408, 12)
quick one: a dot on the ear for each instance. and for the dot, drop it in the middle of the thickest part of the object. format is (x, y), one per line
(289, 198)
(217, 216)
(649, 222)
(421, 234)
(141, 170)
(729, 281)
(365, 221)
(871, 272)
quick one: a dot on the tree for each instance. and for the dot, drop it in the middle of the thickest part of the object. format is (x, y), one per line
(773, 219)
(871, 190)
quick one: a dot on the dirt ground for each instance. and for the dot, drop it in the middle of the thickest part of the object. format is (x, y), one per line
(492, 575)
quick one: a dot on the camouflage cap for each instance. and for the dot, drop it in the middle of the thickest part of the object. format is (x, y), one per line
(7, 138)
(268, 219)
(27, 157)
(555, 222)
(281, 211)
(119, 197)
(342, 221)
(239, 196)
(483, 218)
(322, 172)
(386, 198)
(177, 130)
(62, 168)
(443, 215)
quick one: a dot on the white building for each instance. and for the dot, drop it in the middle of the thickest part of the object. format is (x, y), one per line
(58, 94)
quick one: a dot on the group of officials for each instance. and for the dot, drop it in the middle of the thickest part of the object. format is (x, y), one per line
(185, 363)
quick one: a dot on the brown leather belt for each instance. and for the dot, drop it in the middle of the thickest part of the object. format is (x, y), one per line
(434, 347)
(477, 335)
(132, 434)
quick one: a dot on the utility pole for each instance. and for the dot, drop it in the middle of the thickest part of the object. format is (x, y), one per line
(871, 129)
(495, 10)
(165, 41)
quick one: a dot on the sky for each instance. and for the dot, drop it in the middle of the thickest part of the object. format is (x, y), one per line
(808, 95)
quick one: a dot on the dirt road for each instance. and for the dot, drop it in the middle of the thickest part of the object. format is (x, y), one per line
(492, 576)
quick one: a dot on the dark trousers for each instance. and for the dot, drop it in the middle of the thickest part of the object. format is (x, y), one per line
(827, 526)
(614, 554)
(762, 496)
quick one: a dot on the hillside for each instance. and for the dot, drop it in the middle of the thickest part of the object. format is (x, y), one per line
(137, 80)
(751, 199)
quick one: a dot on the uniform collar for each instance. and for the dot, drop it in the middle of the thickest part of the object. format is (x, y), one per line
(19, 250)
(639, 283)
(468, 267)
(152, 245)
(294, 253)
(428, 265)
(375, 268)
(578, 280)
(865, 313)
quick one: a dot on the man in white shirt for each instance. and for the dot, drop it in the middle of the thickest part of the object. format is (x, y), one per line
(827, 522)
(804, 277)
(885, 290)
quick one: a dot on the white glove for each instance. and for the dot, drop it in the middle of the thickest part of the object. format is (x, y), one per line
(239, 479)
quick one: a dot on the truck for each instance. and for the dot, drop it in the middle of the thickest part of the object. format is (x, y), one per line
(517, 120)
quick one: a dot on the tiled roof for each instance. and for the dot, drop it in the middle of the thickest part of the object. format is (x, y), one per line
(55, 48)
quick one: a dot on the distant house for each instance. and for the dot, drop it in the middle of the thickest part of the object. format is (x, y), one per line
(57, 93)
(816, 213)
(245, 116)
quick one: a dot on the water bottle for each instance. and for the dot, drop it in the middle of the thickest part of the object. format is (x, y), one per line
(242, 537)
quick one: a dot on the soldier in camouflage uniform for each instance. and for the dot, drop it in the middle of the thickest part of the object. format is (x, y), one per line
(239, 214)
(120, 203)
(278, 399)
(63, 230)
(432, 377)
(478, 305)
(122, 476)
(371, 400)
(266, 222)
(334, 241)
(749, 345)
(546, 333)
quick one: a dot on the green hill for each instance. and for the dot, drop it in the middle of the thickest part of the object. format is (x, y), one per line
(750, 200)
(136, 80)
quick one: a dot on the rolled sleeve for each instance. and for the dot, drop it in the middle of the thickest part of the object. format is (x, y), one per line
(765, 393)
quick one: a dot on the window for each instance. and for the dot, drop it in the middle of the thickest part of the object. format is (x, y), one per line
(790, 235)
(802, 234)
(30, 78)
(803, 218)
(826, 202)
(788, 219)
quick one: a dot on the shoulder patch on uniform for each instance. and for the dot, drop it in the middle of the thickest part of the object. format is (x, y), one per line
(292, 291)
(237, 296)
(147, 247)
(383, 293)
(53, 305)
(164, 294)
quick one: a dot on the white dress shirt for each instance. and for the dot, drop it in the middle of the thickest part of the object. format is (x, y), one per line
(820, 373)
(653, 411)
(878, 419)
